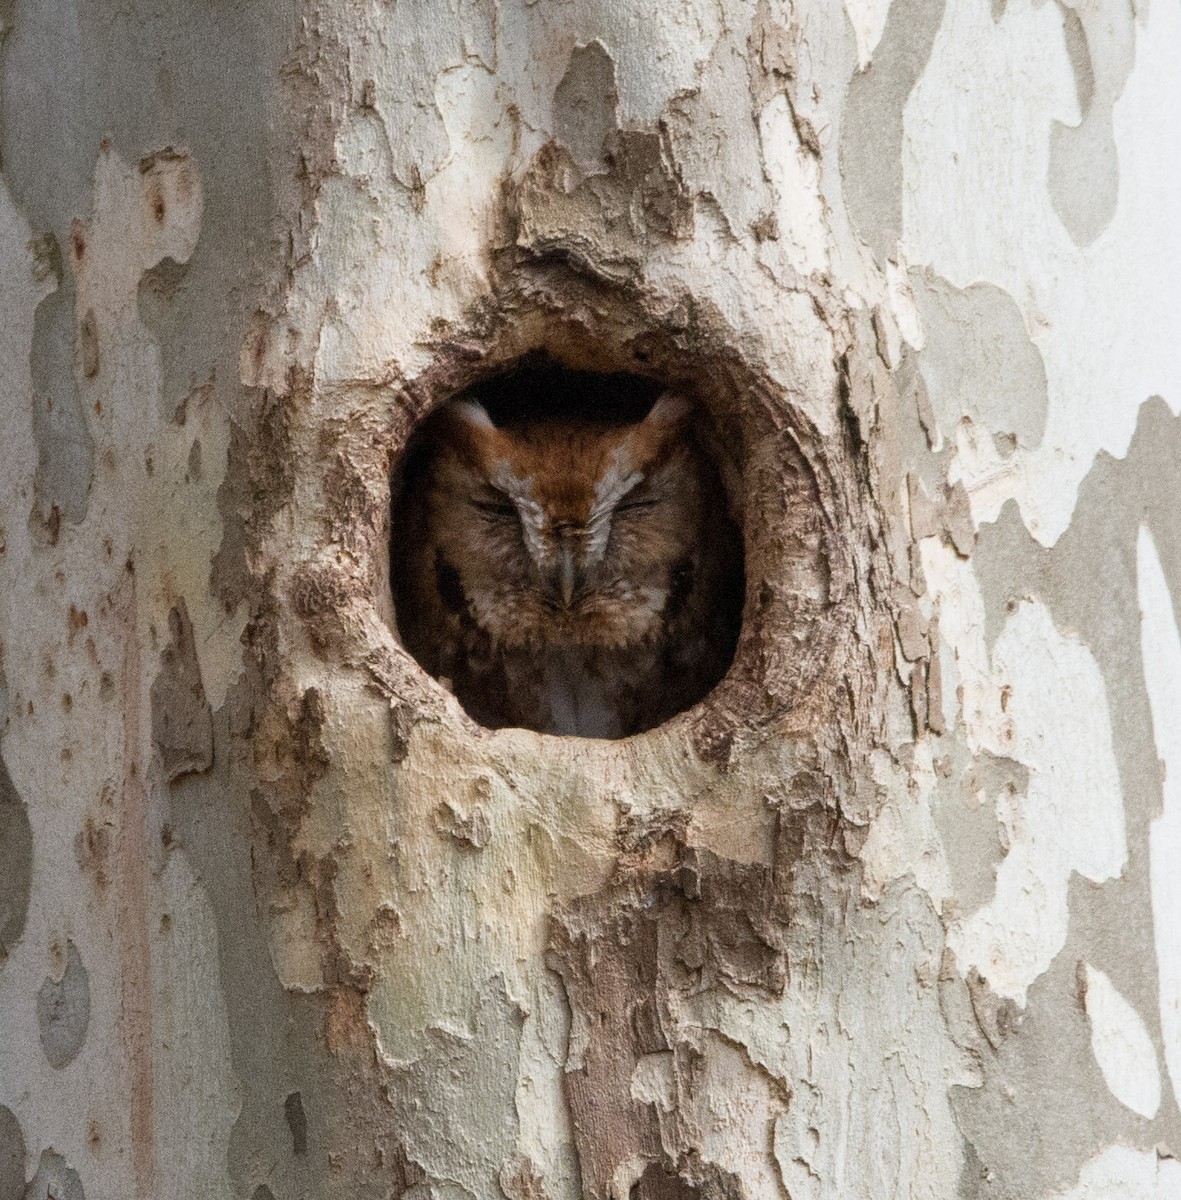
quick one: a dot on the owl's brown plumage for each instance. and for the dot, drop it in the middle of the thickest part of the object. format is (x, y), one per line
(567, 576)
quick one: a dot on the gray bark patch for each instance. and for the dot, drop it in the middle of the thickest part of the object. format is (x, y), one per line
(968, 789)
(585, 105)
(182, 724)
(297, 1122)
(54, 1178)
(63, 1011)
(1083, 176)
(65, 449)
(978, 361)
(12, 1156)
(871, 135)
(164, 306)
(16, 864)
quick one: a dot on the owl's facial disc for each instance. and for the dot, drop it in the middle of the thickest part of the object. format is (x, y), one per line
(558, 492)
(565, 534)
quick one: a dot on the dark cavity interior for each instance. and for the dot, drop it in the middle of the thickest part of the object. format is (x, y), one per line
(565, 560)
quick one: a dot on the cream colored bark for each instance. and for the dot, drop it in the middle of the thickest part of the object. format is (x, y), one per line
(895, 912)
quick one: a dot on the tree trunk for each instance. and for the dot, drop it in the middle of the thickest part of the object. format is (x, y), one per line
(894, 911)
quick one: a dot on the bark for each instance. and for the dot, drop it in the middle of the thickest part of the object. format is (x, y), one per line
(894, 911)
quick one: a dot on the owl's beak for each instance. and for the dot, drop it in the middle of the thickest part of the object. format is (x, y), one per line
(566, 573)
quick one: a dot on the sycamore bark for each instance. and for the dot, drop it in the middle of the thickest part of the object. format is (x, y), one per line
(895, 912)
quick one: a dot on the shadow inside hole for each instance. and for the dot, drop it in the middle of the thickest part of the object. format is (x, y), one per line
(537, 388)
(563, 556)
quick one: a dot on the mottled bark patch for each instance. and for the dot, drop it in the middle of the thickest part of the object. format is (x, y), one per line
(16, 864)
(630, 958)
(12, 1156)
(63, 1010)
(182, 724)
(56, 1178)
(1084, 170)
(65, 446)
(871, 133)
(978, 361)
(586, 104)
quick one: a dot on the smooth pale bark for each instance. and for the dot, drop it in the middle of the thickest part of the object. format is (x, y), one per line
(895, 913)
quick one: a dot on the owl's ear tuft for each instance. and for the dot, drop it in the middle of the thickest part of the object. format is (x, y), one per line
(670, 410)
(471, 413)
(659, 434)
(464, 427)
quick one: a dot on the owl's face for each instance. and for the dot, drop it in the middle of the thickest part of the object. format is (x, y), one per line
(554, 532)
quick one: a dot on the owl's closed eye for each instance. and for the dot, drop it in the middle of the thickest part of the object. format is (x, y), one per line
(567, 576)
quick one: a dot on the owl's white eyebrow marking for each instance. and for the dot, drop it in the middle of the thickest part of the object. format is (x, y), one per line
(615, 483)
(520, 491)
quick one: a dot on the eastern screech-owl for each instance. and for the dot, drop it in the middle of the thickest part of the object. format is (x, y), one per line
(564, 575)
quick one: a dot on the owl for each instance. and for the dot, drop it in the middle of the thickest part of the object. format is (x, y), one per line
(568, 575)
